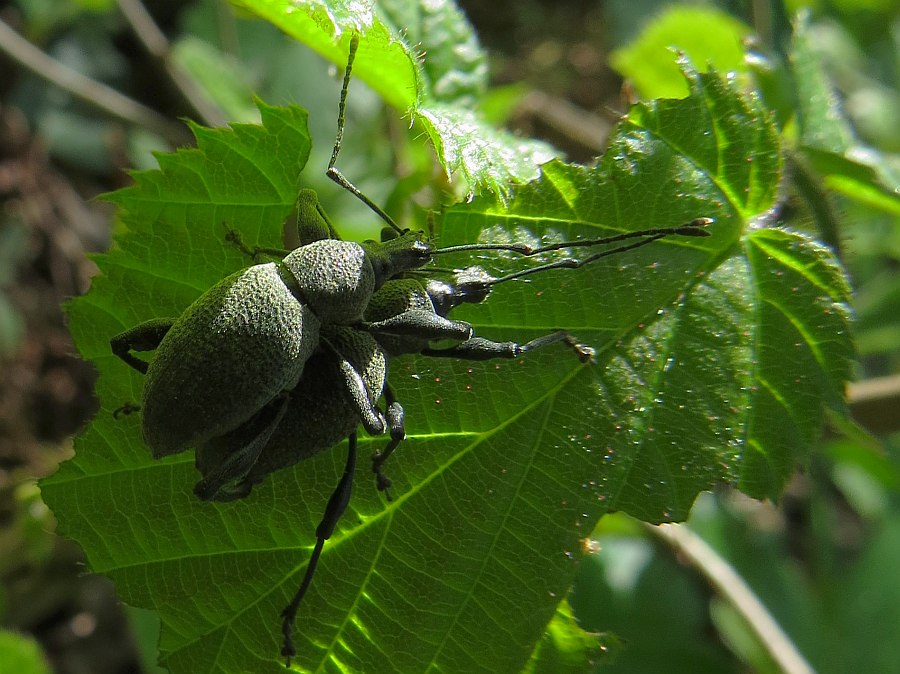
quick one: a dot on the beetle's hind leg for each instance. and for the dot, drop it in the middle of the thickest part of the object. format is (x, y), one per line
(312, 224)
(255, 253)
(479, 348)
(337, 504)
(225, 461)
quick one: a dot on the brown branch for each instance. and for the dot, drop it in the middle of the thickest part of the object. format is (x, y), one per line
(579, 126)
(90, 91)
(875, 404)
(733, 588)
(159, 47)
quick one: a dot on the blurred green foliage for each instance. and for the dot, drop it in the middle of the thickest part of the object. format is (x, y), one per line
(22, 654)
(824, 561)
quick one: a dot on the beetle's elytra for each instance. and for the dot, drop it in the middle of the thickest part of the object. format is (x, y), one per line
(285, 359)
(224, 358)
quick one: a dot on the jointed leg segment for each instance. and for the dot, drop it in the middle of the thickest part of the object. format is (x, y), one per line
(479, 348)
(337, 504)
(397, 430)
(335, 174)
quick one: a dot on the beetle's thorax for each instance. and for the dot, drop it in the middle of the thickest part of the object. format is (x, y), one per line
(334, 278)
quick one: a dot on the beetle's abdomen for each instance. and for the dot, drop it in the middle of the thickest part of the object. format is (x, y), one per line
(319, 415)
(237, 347)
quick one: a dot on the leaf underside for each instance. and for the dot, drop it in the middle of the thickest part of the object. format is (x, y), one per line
(713, 358)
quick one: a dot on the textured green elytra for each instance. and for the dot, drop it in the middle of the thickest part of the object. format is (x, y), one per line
(319, 414)
(232, 351)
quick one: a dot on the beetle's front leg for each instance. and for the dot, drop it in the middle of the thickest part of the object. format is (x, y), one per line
(422, 324)
(144, 337)
(479, 348)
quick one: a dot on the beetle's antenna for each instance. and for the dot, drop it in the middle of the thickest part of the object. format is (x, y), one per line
(473, 284)
(574, 263)
(695, 227)
(332, 172)
(648, 236)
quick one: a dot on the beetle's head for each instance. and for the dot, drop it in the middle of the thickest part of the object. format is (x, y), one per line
(406, 252)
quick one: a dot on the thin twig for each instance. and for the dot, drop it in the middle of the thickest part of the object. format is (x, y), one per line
(159, 47)
(579, 126)
(227, 30)
(874, 404)
(729, 584)
(90, 91)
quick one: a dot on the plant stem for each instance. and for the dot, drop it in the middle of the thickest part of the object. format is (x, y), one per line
(90, 91)
(730, 585)
(159, 47)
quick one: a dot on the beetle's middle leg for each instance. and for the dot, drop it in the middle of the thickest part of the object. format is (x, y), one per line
(397, 430)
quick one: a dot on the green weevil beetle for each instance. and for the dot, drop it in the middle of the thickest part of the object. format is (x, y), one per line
(423, 305)
(285, 359)
(247, 339)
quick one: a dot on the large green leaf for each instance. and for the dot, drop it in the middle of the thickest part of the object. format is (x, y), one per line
(714, 357)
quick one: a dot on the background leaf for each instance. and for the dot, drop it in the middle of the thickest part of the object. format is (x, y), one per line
(827, 139)
(650, 63)
(651, 602)
(22, 654)
(700, 343)
(566, 647)
(456, 68)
